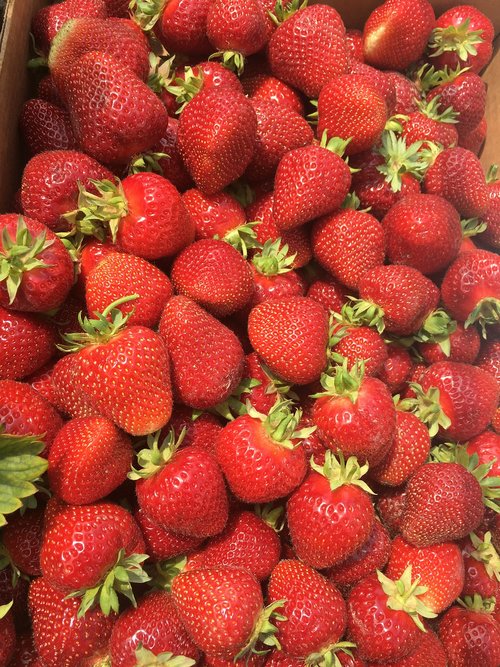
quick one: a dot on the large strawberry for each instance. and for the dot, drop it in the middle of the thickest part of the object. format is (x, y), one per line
(46, 127)
(331, 514)
(166, 491)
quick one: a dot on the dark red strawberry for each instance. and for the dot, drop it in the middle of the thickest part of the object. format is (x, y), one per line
(273, 274)
(390, 507)
(406, 92)
(329, 292)
(7, 635)
(397, 369)
(262, 87)
(429, 651)
(46, 127)
(430, 124)
(182, 27)
(22, 538)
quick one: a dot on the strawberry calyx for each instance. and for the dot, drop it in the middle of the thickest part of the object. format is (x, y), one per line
(264, 632)
(100, 330)
(478, 604)
(492, 175)
(485, 552)
(6, 561)
(273, 259)
(400, 159)
(281, 424)
(231, 60)
(447, 452)
(340, 472)
(437, 328)
(403, 595)
(233, 406)
(341, 381)
(147, 162)
(472, 227)
(429, 77)
(427, 407)
(166, 570)
(20, 255)
(328, 657)
(5, 608)
(242, 238)
(486, 311)
(285, 10)
(154, 456)
(242, 192)
(366, 312)
(146, 12)
(145, 658)
(186, 87)
(431, 110)
(272, 514)
(459, 39)
(119, 579)
(334, 144)
(160, 73)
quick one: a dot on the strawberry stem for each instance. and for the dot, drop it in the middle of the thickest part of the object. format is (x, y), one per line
(427, 408)
(154, 457)
(459, 39)
(403, 595)
(145, 658)
(273, 260)
(486, 312)
(264, 632)
(340, 472)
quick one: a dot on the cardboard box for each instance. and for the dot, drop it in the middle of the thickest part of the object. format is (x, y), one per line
(14, 79)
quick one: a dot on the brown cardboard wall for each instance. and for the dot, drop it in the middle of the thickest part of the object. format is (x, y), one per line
(14, 48)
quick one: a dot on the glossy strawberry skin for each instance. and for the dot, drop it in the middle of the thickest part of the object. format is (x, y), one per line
(470, 638)
(478, 580)
(329, 292)
(374, 191)
(467, 95)
(238, 26)
(182, 27)
(487, 447)
(324, 531)
(362, 343)
(489, 358)
(420, 127)
(429, 651)
(22, 537)
(213, 214)
(49, 20)
(276, 286)
(464, 347)
(261, 87)
(201, 430)
(492, 216)
(397, 369)
(46, 127)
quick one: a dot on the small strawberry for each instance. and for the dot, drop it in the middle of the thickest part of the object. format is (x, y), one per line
(331, 514)
(487, 447)
(46, 127)
(25, 654)
(7, 635)
(390, 507)
(201, 428)
(406, 91)
(461, 345)
(356, 343)
(489, 358)
(430, 124)
(181, 26)
(162, 544)
(354, 39)
(261, 87)
(482, 567)
(397, 369)
(22, 538)
(260, 387)
(273, 274)
(474, 140)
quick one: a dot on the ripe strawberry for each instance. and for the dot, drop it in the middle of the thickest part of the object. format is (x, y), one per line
(36, 269)
(219, 215)
(355, 414)
(351, 107)
(273, 274)
(259, 386)
(406, 91)
(481, 562)
(379, 80)
(471, 288)
(290, 335)
(419, 217)
(323, 531)
(247, 541)
(396, 33)
(429, 651)
(347, 244)
(487, 447)
(120, 371)
(430, 124)
(207, 358)
(314, 609)
(49, 20)
(27, 343)
(25, 654)
(439, 568)
(489, 358)
(446, 177)
(309, 48)
(217, 133)
(49, 187)
(201, 429)
(46, 127)
(461, 345)
(80, 448)
(390, 507)
(162, 544)
(62, 638)
(474, 140)
(119, 274)
(356, 343)
(470, 634)
(198, 596)
(397, 369)
(7, 635)
(329, 292)
(372, 555)
(464, 92)
(22, 538)
(261, 87)
(154, 625)
(182, 27)
(385, 616)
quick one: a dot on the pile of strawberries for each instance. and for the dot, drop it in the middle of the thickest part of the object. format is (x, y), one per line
(250, 351)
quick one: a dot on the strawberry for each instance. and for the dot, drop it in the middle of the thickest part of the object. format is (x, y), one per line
(273, 274)
(260, 387)
(385, 616)
(162, 544)
(46, 127)
(314, 609)
(492, 216)
(439, 568)
(62, 638)
(355, 414)
(372, 555)
(309, 48)
(390, 506)
(115, 541)
(119, 371)
(379, 80)
(406, 91)
(470, 634)
(80, 448)
(131, 121)
(165, 489)
(195, 339)
(201, 429)
(429, 651)
(22, 538)
(7, 635)
(356, 343)
(290, 335)
(261, 455)
(430, 124)
(261, 87)
(25, 654)
(464, 92)
(323, 531)
(481, 562)
(47, 90)
(182, 27)
(329, 292)
(398, 368)
(36, 269)
(474, 140)
(219, 215)
(396, 33)
(28, 343)
(489, 358)
(463, 346)
(487, 447)
(154, 625)
(50, 181)
(471, 288)
(247, 541)
(351, 107)
(347, 244)
(310, 182)
(214, 157)
(119, 274)
(198, 595)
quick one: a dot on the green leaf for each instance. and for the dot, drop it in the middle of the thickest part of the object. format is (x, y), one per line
(145, 658)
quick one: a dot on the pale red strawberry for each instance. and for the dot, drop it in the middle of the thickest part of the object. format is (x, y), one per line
(397, 369)
(464, 92)
(487, 447)
(347, 244)
(323, 531)
(182, 27)
(290, 335)
(22, 538)
(261, 87)
(207, 358)
(396, 33)
(463, 346)
(50, 19)
(46, 127)
(162, 544)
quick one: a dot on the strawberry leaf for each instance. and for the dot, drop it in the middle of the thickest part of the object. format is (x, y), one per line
(145, 658)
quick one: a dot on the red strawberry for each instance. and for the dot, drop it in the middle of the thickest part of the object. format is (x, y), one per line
(474, 140)
(406, 91)
(290, 335)
(25, 654)
(487, 447)
(7, 635)
(207, 358)
(439, 568)
(182, 27)
(379, 80)
(461, 345)
(347, 244)
(247, 541)
(217, 132)
(330, 515)
(351, 107)
(119, 274)
(82, 447)
(481, 561)
(489, 358)
(47, 90)
(163, 544)
(153, 625)
(166, 492)
(429, 124)
(355, 44)
(397, 369)
(314, 609)
(263, 395)
(429, 651)
(219, 215)
(356, 343)
(261, 455)
(262, 87)
(464, 92)
(49, 20)
(396, 33)
(273, 274)
(328, 292)
(22, 538)
(199, 595)
(46, 127)
(62, 638)
(309, 48)
(390, 506)
(200, 429)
